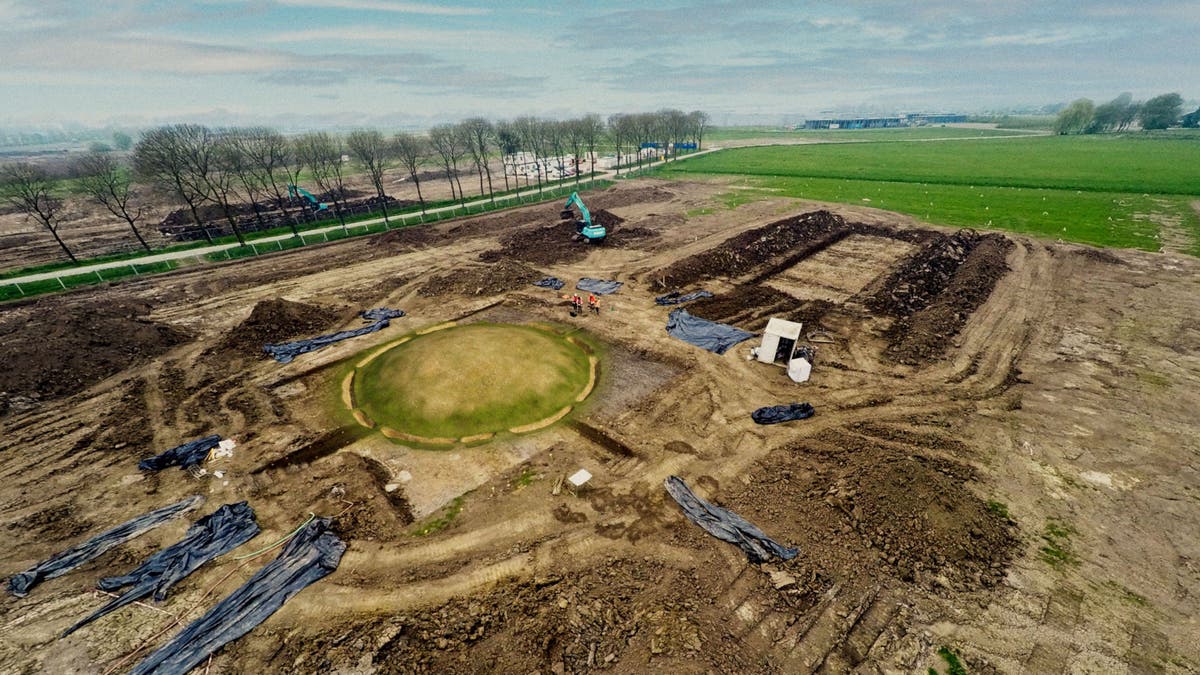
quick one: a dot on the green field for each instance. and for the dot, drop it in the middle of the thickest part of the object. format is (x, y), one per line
(1102, 190)
(783, 135)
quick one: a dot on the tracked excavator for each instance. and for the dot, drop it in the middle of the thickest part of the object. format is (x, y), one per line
(297, 192)
(591, 232)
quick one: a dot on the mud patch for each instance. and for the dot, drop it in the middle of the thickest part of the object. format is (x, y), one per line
(322, 446)
(501, 277)
(60, 354)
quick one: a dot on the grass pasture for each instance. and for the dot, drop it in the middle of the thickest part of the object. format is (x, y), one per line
(1100, 190)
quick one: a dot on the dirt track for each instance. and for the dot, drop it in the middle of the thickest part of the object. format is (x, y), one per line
(1002, 461)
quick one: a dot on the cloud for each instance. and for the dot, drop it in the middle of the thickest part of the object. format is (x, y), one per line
(388, 6)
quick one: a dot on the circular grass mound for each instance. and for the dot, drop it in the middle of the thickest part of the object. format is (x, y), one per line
(468, 382)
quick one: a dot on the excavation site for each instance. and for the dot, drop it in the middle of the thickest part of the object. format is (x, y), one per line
(777, 437)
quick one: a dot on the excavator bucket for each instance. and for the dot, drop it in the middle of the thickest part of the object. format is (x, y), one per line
(567, 214)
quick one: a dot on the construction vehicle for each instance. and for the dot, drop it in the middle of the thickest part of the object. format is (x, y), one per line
(592, 232)
(297, 192)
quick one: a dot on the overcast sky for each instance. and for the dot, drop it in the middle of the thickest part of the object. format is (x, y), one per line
(388, 62)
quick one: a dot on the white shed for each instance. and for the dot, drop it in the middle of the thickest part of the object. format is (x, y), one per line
(779, 341)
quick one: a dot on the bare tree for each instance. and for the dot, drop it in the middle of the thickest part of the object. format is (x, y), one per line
(232, 158)
(27, 188)
(375, 154)
(109, 184)
(556, 138)
(480, 137)
(619, 130)
(174, 158)
(322, 154)
(221, 176)
(673, 126)
(266, 154)
(412, 151)
(573, 130)
(591, 128)
(450, 145)
(532, 133)
(700, 123)
(508, 140)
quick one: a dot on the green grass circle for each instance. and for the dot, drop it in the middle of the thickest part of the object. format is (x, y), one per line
(471, 379)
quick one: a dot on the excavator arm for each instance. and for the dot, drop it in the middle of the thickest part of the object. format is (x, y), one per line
(591, 231)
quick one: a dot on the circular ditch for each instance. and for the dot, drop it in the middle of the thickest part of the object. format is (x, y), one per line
(464, 384)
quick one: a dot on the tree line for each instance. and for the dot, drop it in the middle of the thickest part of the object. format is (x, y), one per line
(201, 167)
(1083, 116)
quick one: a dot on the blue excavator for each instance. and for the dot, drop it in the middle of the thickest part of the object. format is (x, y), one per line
(297, 192)
(592, 232)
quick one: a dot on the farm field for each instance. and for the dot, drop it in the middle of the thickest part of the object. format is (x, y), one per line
(983, 476)
(723, 135)
(1108, 191)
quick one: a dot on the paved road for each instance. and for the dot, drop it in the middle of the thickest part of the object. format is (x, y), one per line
(265, 243)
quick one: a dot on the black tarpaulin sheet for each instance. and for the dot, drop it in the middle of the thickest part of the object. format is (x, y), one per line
(774, 414)
(313, 553)
(675, 298)
(380, 313)
(553, 283)
(93, 548)
(726, 525)
(219, 532)
(184, 456)
(598, 286)
(710, 335)
(287, 351)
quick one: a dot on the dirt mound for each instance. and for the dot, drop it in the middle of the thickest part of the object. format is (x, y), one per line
(500, 277)
(751, 305)
(275, 321)
(935, 291)
(608, 219)
(798, 237)
(63, 354)
(614, 198)
(409, 238)
(546, 245)
(908, 515)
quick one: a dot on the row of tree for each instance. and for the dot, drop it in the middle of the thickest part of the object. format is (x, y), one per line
(200, 167)
(1083, 116)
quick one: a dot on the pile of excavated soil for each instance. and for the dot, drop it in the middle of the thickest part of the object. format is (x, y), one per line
(750, 306)
(841, 495)
(800, 236)
(935, 291)
(545, 245)
(74, 350)
(608, 219)
(278, 320)
(501, 277)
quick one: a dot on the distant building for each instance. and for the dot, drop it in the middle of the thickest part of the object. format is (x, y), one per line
(918, 119)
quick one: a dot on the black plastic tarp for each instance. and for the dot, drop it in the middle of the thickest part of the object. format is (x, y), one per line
(676, 298)
(553, 283)
(380, 313)
(219, 532)
(710, 335)
(313, 553)
(184, 456)
(774, 414)
(726, 525)
(287, 351)
(598, 286)
(64, 562)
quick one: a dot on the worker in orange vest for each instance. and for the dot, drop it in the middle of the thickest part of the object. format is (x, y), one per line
(594, 303)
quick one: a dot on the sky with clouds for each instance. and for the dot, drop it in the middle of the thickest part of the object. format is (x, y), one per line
(396, 63)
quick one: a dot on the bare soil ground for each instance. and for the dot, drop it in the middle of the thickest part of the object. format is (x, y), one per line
(1003, 460)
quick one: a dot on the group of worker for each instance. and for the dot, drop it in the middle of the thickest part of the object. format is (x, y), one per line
(577, 303)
